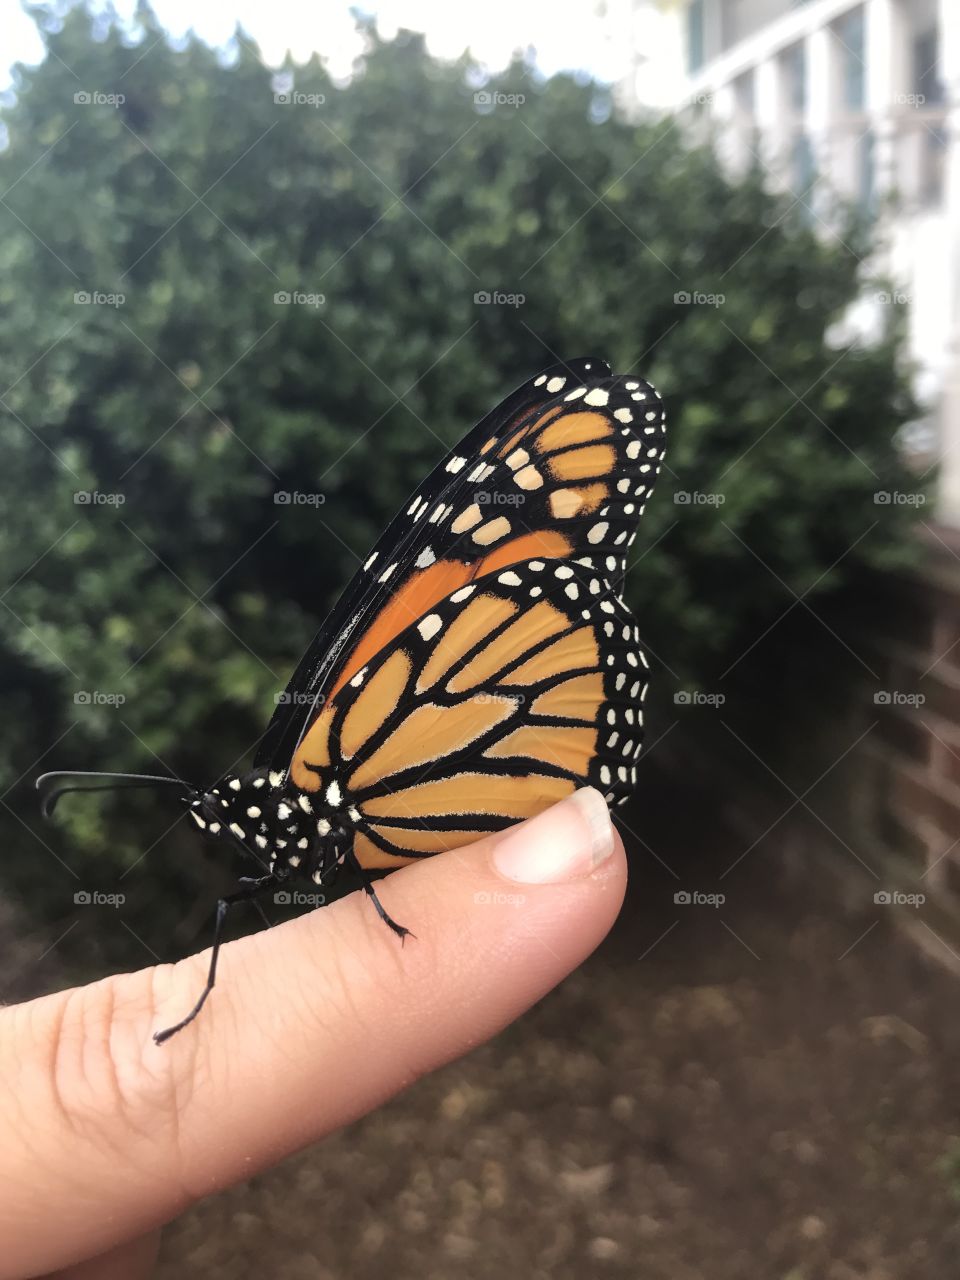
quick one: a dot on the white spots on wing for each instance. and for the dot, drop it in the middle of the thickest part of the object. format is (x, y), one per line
(197, 819)
(536, 591)
(538, 382)
(467, 518)
(253, 811)
(234, 784)
(426, 558)
(303, 843)
(596, 396)
(359, 678)
(414, 507)
(536, 565)
(294, 858)
(631, 386)
(564, 571)
(283, 811)
(463, 594)
(623, 415)
(492, 531)
(509, 579)
(608, 629)
(571, 590)
(304, 803)
(430, 625)
(606, 606)
(369, 563)
(621, 680)
(611, 716)
(387, 571)
(611, 563)
(214, 827)
(556, 384)
(258, 783)
(598, 532)
(595, 586)
(323, 827)
(529, 478)
(651, 416)
(628, 509)
(238, 831)
(438, 512)
(605, 775)
(612, 740)
(317, 877)
(354, 813)
(576, 393)
(334, 794)
(633, 450)
(456, 463)
(260, 841)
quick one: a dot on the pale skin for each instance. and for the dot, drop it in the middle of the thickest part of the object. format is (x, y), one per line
(105, 1136)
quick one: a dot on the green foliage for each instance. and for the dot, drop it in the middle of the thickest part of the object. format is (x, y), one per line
(199, 198)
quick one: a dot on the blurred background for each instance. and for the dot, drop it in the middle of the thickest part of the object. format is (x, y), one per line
(260, 266)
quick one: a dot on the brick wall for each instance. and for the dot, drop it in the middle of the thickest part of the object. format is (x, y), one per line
(838, 739)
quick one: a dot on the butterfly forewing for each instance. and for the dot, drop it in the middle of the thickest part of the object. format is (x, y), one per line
(567, 479)
(403, 546)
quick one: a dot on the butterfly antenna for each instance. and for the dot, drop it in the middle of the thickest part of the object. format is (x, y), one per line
(52, 786)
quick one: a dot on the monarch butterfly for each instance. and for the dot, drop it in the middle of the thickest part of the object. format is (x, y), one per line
(480, 666)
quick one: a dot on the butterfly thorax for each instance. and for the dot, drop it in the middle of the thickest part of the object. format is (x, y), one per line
(291, 831)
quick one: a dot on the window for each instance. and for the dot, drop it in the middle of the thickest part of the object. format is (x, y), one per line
(850, 32)
(695, 35)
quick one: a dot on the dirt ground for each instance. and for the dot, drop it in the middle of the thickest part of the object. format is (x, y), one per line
(768, 1088)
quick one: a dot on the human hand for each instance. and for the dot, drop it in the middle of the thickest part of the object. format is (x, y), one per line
(104, 1135)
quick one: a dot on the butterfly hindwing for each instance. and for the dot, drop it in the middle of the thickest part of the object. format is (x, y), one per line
(509, 694)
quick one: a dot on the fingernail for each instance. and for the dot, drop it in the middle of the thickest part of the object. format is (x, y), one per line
(568, 841)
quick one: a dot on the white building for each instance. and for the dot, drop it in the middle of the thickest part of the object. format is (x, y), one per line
(856, 98)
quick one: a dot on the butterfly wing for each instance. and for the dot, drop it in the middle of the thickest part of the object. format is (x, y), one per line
(508, 695)
(404, 545)
(573, 474)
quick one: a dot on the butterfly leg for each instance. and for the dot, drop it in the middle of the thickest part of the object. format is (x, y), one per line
(371, 893)
(251, 889)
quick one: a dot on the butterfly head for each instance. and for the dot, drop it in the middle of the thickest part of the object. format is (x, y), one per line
(269, 816)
